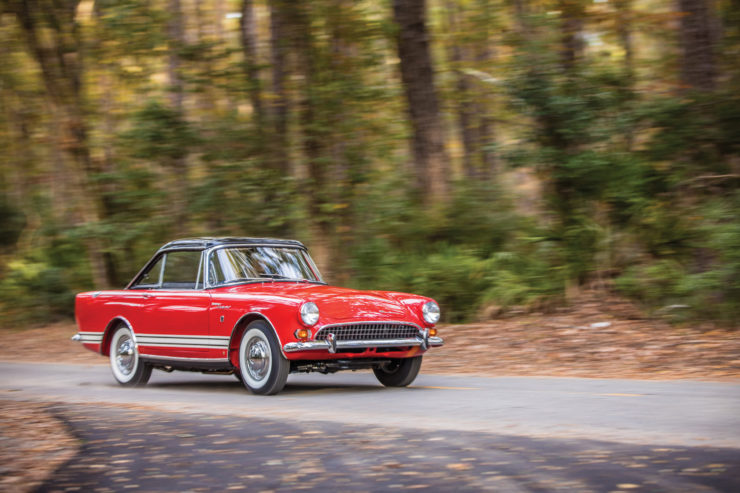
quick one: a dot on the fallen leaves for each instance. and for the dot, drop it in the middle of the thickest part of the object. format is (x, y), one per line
(34, 444)
(598, 336)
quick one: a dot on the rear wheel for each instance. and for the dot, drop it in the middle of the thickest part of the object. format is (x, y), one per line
(399, 372)
(127, 367)
(262, 367)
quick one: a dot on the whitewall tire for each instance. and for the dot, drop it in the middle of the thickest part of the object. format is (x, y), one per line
(127, 367)
(262, 366)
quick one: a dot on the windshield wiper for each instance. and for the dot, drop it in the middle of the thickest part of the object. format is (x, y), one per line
(279, 277)
(239, 280)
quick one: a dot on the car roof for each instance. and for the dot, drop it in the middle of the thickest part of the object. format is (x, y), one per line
(208, 242)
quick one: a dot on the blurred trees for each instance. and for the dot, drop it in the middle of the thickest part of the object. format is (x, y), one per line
(431, 169)
(484, 152)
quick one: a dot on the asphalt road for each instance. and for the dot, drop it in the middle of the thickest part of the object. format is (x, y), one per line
(345, 432)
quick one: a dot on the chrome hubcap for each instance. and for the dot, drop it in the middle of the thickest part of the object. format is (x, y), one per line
(258, 359)
(125, 355)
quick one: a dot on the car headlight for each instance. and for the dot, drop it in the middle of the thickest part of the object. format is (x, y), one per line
(430, 311)
(309, 313)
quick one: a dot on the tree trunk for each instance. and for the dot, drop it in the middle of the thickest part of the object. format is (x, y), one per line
(314, 146)
(624, 31)
(279, 43)
(521, 13)
(463, 96)
(176, 34)
(698, 36)
(249, 43)
(486, 125)
(484, 104)
(571, 27)
(344, 67)
(106, 103)
(431, 164)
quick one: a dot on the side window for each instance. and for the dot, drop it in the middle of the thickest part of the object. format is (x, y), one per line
(151, 278)
(181, 270)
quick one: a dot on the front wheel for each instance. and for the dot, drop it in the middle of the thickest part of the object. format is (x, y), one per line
(127, 367)
(263, 368)
(399, 372)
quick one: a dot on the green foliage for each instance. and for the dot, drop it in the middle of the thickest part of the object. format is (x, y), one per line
(527, 278)
(480, 252)
(635, 183)
(700, 279)
(653, 284)
(159, 133)
(40, 286)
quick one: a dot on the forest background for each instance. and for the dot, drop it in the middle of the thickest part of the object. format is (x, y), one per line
(493, 154)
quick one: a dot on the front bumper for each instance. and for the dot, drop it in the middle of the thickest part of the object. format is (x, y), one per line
(334, 346)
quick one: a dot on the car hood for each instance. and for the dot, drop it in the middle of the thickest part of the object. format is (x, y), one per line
(337, 304)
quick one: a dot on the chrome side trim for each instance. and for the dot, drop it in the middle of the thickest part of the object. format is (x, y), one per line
(88, 337)
(292, 347)
(202, 342)
(150, 357)
(179, 346)
(178, 336)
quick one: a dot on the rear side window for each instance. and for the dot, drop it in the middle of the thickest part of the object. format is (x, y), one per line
(182, 270)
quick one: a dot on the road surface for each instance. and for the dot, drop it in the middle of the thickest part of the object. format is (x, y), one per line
(345, 432)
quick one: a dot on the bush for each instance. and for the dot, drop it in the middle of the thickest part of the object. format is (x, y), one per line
(702, 276)
(40, 286)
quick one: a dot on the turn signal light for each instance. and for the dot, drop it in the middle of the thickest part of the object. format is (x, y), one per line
(302, 334)
(432, 332)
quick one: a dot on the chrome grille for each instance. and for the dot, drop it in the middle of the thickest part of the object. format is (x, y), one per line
(368, 331)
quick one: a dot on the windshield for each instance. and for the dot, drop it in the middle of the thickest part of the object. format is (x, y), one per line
(260, 263)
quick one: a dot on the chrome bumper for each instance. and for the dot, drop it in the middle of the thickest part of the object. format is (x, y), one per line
(76, 337)
(334, 346)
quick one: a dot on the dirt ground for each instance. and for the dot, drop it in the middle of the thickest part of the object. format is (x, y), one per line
(598, 336)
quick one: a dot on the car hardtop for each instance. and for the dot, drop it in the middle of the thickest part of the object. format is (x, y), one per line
(206, 243)
(209, 242)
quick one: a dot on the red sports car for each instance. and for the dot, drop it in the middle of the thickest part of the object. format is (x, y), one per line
(254, 307)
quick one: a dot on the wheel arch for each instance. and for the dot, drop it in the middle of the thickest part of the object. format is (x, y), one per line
(240, 327)
(108, 333)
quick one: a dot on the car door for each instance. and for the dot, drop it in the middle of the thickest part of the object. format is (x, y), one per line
(176, 316)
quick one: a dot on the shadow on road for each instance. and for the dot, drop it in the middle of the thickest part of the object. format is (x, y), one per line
(157, 451)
